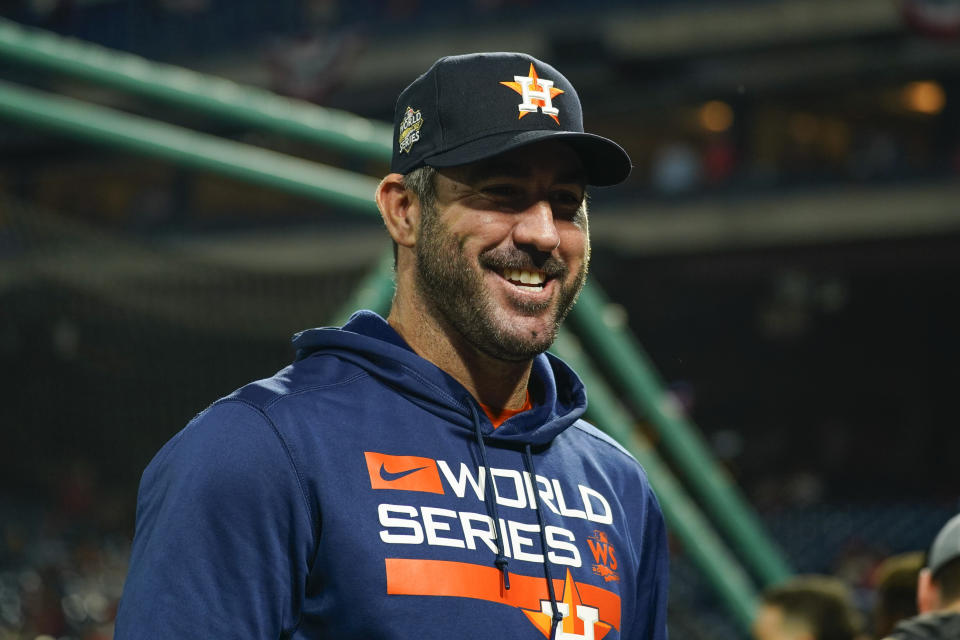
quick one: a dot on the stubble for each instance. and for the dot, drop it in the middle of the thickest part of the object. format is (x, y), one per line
(455, 291)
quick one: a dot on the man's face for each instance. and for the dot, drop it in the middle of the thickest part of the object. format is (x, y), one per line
(504, 254)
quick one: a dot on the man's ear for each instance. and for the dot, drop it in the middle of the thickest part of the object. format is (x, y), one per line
(928, 594)
(400, 210)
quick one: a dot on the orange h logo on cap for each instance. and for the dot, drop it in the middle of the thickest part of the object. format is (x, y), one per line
(536, 93)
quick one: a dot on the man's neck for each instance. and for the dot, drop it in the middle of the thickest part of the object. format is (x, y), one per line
(496, 383)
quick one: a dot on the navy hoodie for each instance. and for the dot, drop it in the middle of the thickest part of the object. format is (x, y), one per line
(360, 493)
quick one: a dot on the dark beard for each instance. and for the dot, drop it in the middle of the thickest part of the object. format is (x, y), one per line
(455, 292)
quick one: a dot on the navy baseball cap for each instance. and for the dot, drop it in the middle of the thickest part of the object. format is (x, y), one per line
(946, 546)
(471, 107)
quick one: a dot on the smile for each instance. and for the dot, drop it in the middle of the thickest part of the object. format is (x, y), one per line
(530, 278)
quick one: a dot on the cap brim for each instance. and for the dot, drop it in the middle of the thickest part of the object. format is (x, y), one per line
(605, 162)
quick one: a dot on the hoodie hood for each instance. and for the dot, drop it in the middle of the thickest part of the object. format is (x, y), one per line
(370, 343)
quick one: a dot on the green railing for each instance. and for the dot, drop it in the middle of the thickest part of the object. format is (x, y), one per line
(612, 343)
(201, 92)
(685, 519)
(635, 379)
(185, 147)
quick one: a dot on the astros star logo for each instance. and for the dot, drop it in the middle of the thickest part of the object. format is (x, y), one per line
(537, 93)
(580, 621)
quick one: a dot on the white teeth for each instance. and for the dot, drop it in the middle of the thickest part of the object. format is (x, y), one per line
(524, 277)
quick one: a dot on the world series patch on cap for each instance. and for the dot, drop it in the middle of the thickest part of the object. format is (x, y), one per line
(475, 106)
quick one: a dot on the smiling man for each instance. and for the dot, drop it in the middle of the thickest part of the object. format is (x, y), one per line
(427, 475)
(492, 260)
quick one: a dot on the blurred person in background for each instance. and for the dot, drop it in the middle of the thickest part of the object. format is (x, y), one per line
(896, 589)
(807, 608)
(426, 475)
(938, 591)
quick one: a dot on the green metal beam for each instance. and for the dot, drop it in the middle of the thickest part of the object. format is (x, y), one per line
(686, 521)
(218, 97)
(612, 343)
(185, 147)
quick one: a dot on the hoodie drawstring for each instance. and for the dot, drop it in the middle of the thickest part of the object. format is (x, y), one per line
(491, 502)
(551, 590)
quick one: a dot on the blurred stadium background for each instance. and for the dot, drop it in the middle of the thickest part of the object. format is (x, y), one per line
(787, 251)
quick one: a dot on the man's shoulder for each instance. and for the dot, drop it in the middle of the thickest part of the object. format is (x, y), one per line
(610, 454)
(619, 470)
(315, 373)
(591, 434)
(264, 417)
(928, 626)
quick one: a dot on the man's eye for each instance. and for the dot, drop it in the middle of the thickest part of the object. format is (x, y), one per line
(566, 201)
(567, 198)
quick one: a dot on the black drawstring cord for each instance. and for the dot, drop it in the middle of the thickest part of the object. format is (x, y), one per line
(501, 560)
(551, 590)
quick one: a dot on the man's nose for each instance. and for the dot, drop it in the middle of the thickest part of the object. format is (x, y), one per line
(536, 227)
